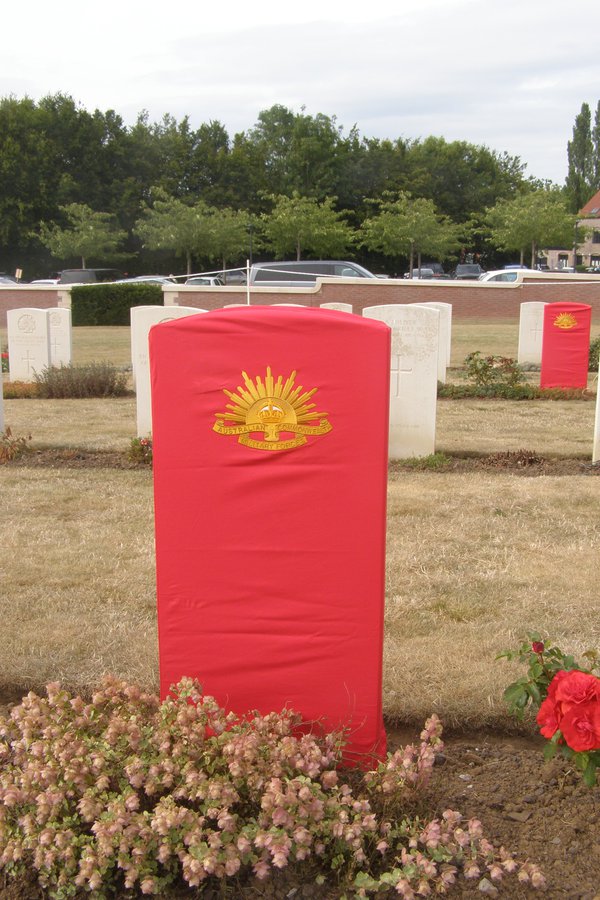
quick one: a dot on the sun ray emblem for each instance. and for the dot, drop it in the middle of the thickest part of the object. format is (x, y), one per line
(271, 407)
(565, 321)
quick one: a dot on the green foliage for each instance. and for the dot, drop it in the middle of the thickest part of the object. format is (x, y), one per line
(583, 154)
(531, 220)
(124, 793)
(11, 446)
(53, 154)
(594, 360)
(109, 304)
(173, 224)
(140, 450)
(407, 225)
(4, 358)
(424, 463)
(486, 370)
(99, 379)
(301, 224)
(546, 663)
(87, 234)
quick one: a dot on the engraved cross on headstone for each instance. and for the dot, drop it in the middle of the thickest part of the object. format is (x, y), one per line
(397, 373)
(28, 359)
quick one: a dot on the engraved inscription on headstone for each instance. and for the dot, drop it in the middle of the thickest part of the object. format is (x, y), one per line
(445, 345)
(413, 382)
(59, 328)
(28, 343)
(531, 329)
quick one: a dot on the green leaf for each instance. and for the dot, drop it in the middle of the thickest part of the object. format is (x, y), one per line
(550, 751)
(589, 775)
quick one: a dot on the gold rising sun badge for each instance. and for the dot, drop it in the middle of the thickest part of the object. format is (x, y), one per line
(565, 321)
(271, 407)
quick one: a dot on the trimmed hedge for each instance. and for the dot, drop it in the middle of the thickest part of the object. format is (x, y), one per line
(109, 304)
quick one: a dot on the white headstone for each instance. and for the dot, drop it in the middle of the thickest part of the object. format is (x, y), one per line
(288, 304)
(142, 320)
(341, 307)
(445, 348)
(596, 450)
(28, 343)
(531, 329)
(60, 331)
(413, 382)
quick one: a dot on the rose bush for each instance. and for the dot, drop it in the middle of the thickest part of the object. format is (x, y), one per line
(568, 696)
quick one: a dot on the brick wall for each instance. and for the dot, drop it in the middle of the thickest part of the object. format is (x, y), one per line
(468, 299)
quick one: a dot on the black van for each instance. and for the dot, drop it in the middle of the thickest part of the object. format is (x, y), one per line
(296, 273)
(88, 276)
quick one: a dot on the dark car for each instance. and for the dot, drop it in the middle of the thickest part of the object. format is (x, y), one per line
(295, 273)
(88, 276)
(437, 269)
(470, 271)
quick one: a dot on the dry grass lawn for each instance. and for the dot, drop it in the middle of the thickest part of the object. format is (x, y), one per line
(474, 560)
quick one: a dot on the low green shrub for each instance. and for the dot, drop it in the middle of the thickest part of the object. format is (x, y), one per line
(423, 463)
(109, 304)
(4, 358)
(140, 450)
(127, 793)
(100, 379)
(488, 370)
(509, 392)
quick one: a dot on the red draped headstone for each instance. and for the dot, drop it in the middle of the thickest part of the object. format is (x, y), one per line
(270, 468)
(565, 345)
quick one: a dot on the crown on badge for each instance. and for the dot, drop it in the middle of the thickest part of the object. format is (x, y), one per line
(271, 414)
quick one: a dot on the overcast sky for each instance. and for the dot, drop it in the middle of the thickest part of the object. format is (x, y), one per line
(509, 74)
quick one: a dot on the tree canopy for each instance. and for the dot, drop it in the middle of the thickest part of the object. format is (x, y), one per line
(54, 153)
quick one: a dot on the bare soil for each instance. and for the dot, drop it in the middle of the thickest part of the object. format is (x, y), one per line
(523, 462)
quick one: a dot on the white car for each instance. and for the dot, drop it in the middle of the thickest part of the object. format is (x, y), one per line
(504, 274)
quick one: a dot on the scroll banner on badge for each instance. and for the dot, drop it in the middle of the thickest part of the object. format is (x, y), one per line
(566, 345)
(270, 434)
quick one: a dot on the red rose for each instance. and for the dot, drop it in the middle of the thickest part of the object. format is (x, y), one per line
(538, 646)
(580, 726)
(547, 717)
(576, 687)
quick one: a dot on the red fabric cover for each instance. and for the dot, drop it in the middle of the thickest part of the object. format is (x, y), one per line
(271, 565)
(566, 345)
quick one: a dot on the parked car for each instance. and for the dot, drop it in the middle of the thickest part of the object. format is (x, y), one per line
(294, 273)
(470, 271)
(88, 276)
(437, 269)
(8, 280)
(205, 280)
(147, 279)
(504, 274)
(44, 281)
(421, 273)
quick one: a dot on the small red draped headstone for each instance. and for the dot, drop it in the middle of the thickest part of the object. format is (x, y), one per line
(270, 466)
(565, 345)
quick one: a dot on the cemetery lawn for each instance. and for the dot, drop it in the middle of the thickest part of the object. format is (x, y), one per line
(482, 549)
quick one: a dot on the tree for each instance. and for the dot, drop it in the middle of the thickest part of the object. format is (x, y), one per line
(299, 224)
(530, 221)
(171, 224)
(87, 234)
(407, 225)
(581, 181)
(229, 231)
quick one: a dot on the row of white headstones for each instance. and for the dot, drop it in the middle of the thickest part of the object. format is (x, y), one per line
(421, 344)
